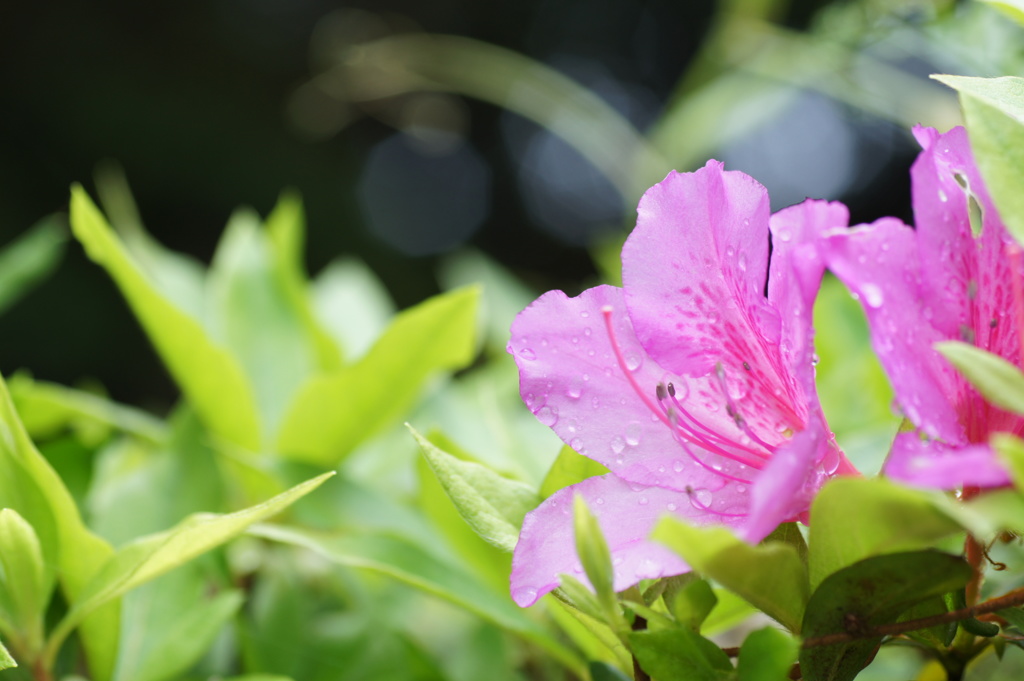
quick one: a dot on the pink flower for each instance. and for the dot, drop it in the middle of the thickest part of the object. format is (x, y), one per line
(944, 280)
(694, 387)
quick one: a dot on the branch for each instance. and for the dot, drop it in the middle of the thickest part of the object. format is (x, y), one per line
(1009, 600)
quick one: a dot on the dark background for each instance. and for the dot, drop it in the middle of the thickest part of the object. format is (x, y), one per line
(191, 100)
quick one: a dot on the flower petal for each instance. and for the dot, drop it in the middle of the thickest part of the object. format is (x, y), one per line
(627, 514)
(793, 281)
(933, 464)
(571, 380)
(694, 270)
(966, 276)
(880, 264)
(784, 490)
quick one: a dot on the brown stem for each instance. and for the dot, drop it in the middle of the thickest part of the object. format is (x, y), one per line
(1009, 600)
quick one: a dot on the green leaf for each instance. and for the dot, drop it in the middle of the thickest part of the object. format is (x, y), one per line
(568, 469)
(888, 519)
(1010, 450)
(333, 413)
(30, 259)
(29, 485)
(352, 304)
(153, 555)
(1001, 382)
(994, 110)
(206, 372)
(488, 562)
(408, 563)
(286, 228)
(690, 603)
(593, 553)
(769, 576)
(24, 588)
(869, 593)
(602, 671)
(678, 654)
(170, 623)
(767, 655)
(256, 317)
(48, 408)
(6, 661)
(1011, 8)
(491, 504)
(1015, 616)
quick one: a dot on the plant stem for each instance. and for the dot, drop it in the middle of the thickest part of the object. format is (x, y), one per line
(1009, 600)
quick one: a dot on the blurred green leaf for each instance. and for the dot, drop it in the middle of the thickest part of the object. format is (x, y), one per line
(1001, 382)
(568, 469)
(170, 623)
(690, 603)
(729, 611)
(208, 375)
(491, 504)
(30, 258)
(24, 588)
(413, 565)
(6, 661)
(602, 671)
(888, 519)
(153, 555)
(352, 304)
(868, 593)
(770, 576)
(258, 318)
(178, 277)
(1010, 450)
(504, 296)
(1011, 8)
(333, 413)
(30, 486)
(679, 654)
(994, 110)
(48, 408)
(184, 467)
(592, 550)
(286, 228)
(767, 655)
(862, 419)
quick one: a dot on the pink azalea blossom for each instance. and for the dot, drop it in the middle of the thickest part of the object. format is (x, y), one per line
(944, 280)
(690, 384)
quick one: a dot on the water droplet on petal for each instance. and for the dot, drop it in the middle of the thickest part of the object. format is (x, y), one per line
(524, 595)
(633, 431)
(528, 354)
(670, 506)
(647, 569)
(575, 388)
(873, 295)
(700, 498)
(633, 361)
(599, 501)
(618, 444)
(643, 501)
(743, 262)
(587, 331)
(678, 466)
(548, 416)
(577, 444)
(584, 314)
(595, 403)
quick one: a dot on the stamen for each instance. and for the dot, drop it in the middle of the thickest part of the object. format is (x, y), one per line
(708, 438)
(734, 411)
(684, 432)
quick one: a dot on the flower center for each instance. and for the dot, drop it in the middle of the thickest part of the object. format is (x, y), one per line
(695, 437)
